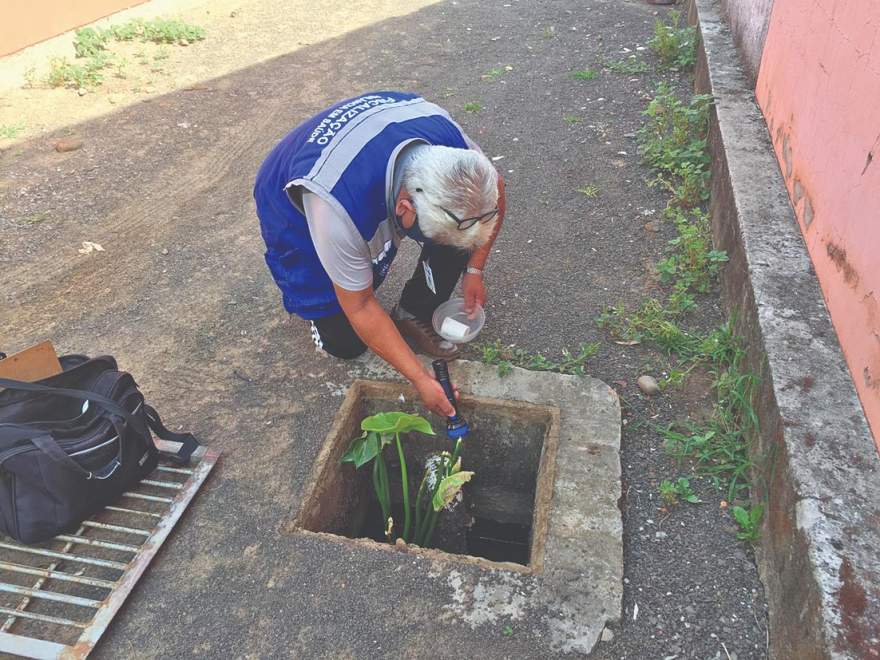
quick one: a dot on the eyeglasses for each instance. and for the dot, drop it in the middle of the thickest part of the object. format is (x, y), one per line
(467, 223)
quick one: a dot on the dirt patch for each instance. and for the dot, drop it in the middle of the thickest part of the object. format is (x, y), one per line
(837, 255)
(238, 34)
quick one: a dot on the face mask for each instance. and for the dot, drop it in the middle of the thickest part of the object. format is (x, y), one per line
(414, 232)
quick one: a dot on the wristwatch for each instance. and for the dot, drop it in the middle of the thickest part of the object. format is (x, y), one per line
(474, 271)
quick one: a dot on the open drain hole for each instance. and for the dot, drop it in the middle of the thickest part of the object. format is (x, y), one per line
(501, 516)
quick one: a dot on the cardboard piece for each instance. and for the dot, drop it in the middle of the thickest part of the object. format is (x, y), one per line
(33, 363)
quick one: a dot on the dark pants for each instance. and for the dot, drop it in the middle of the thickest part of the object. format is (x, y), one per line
(335, 335)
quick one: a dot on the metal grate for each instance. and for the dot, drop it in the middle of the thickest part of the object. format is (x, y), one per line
(57, 598)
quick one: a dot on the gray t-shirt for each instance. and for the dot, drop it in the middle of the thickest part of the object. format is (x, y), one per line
(341, 249)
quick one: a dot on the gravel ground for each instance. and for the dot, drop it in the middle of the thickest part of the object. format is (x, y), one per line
(181, 296)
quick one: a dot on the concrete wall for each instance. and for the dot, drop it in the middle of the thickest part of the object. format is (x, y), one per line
(819, 89)
(749, 20)
(26, 22)
(817, 469)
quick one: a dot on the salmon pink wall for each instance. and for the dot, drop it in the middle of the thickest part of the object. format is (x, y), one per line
(26, 22)
(819, 89)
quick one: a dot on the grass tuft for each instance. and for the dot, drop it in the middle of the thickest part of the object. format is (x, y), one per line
(674, 45)
(584, 74)
(507, 357)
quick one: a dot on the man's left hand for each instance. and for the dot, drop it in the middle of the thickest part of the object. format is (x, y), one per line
(474, 292)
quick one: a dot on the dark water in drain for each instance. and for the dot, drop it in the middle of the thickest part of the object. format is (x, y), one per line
(461, 532)
(499, 541)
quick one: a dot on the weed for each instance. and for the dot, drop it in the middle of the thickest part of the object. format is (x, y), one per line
(36, 218)
(157, 30)
(493, 74)
(442, 481)
(10, 131)
(90, 46)
(676, 46)
(672, 491)
(506, 357)
(584, 74)
(631, 66)
(88, 42)
(651, 323)
(694, 265)
(549, 31)
(473, 106)
(507, 631)
(590, 191)
(120, 65)
(674, 137)
(571, 119)
(749, 522)
(720, 447)
(163, 54)
(63, 73)
(30, 78)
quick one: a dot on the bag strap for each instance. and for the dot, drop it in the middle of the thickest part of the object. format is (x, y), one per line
(188, 443)
(108, 404)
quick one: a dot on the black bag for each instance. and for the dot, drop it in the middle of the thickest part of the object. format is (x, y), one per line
(71, 444)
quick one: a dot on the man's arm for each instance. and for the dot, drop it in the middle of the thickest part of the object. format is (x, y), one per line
(472, 286)
(376, 329)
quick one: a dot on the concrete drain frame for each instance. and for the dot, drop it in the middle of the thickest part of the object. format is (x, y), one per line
(335, 499)
(575, 564)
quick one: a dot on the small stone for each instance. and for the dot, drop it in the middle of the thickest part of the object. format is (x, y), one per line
(660, 535)
(164, 250)
(648, 385)
(651, 226)
(184, 42)
(400, 543)
(68, 144)
(81, 91)
(607, 635)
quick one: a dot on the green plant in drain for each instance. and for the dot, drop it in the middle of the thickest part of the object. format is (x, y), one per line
(749, 521)
(440, 485)
(672, 491)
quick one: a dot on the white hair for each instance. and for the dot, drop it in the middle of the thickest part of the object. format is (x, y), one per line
(462, 181)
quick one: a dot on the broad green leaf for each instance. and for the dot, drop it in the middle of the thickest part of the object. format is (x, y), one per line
(449, 487)
(396, 422)
(741, 515)
(362, 450)
(756, 514)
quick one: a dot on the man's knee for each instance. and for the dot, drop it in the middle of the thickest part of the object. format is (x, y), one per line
(336, 337)
(345, 352)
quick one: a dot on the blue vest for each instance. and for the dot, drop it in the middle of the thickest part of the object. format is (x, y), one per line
(346, 155)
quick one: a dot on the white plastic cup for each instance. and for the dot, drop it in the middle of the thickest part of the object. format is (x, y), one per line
(451, 322)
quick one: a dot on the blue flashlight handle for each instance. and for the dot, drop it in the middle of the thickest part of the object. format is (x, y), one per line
(441, 371)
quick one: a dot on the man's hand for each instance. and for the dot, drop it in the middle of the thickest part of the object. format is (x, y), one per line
(474, 293)
(433, 397)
